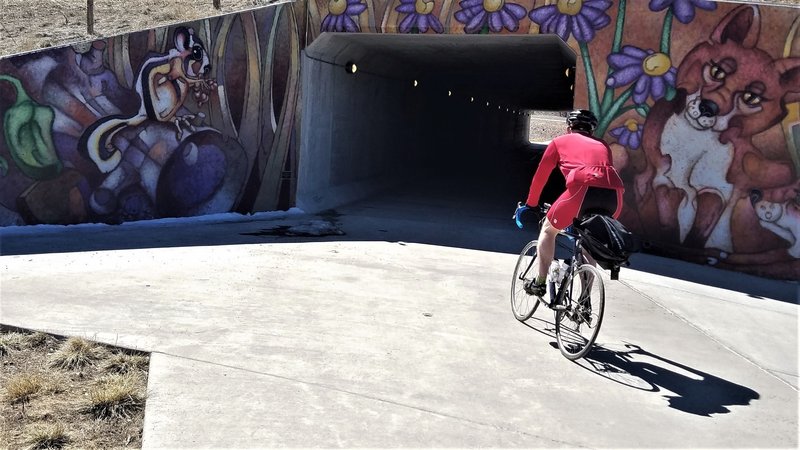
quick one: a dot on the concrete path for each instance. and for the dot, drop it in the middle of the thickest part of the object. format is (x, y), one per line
(399, 334)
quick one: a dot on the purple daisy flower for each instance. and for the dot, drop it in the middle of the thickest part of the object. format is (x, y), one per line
(629, 135)
(496, 14)
(339, 15)
(419, 16)
(653, 72)
(683, 9)
(581, 18)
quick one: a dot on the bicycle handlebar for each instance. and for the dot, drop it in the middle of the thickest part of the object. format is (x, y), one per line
(540, 211)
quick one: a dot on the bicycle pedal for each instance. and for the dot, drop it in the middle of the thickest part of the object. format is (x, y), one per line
(559, 307)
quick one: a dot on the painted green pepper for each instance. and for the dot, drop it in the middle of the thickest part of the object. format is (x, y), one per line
(28, 130)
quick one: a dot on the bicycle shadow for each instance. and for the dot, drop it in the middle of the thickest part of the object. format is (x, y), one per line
(685, 388)
(542, 326)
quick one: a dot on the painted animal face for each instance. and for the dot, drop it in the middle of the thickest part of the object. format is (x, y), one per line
(730, 83)
(768, 211)
(196, 63)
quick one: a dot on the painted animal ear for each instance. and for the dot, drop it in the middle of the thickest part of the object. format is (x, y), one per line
(182, 38)
(742, 25)
(789, 72)
(755, 196)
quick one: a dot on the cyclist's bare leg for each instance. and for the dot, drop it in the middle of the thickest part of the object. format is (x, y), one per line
(546, 248)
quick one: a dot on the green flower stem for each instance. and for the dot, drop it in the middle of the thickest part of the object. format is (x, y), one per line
(608, 95)
(666, 32)
(619, 27)
(590, 81)
(613, 112)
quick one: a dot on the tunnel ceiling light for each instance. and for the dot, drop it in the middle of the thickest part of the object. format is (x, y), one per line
(351, 67)
(566, 72)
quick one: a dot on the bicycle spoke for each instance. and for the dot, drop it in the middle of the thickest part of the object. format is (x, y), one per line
(577, 326)
(523, 305)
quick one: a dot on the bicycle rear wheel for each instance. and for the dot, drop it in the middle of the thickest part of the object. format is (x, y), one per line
(577, 326)
(523, 305)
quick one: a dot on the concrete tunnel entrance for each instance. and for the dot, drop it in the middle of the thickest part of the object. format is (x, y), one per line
(425, 115)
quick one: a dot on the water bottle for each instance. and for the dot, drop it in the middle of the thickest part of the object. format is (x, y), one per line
(563, 268)
(558, 270)
(553, 278)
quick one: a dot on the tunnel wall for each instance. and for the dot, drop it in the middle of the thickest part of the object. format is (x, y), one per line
(724, 193)
(363, 133)
(344, 155)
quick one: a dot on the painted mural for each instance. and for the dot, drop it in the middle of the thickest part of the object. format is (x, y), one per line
(700, 101)
(180, 121)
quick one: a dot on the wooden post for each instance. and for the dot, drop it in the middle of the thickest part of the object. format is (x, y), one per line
(90, 16)
(216, 4)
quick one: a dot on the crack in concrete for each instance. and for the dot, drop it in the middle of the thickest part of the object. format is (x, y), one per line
(710, 336)
(374, 398)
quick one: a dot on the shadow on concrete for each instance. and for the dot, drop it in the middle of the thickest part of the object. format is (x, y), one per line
(684, 388)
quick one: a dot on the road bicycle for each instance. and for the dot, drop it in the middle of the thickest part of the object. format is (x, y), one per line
(575, 292)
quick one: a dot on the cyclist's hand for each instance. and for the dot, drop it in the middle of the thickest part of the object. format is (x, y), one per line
(521, 208)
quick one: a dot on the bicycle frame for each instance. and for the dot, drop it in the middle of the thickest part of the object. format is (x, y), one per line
(575, 261)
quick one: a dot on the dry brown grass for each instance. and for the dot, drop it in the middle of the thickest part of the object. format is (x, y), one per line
(76, 353)
(47, 436)
(21, 388)
(27, 25)
(122, 363)
(116, 397)
(10, 342)
(88, 407)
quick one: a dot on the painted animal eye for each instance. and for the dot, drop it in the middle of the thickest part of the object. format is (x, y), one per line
(751, 98)
(718, 73)
(197, 53)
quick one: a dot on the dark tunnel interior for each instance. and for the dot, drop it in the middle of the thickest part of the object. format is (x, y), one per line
(428, 115)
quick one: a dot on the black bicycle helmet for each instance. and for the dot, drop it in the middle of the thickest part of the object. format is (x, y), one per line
(582, 120)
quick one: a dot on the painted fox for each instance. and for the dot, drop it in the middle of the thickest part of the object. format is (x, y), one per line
(702, 162)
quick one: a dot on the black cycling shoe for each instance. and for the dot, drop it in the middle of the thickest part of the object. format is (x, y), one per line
(531, 288)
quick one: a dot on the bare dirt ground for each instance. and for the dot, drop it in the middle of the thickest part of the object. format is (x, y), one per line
(69, 393)
(27, 25)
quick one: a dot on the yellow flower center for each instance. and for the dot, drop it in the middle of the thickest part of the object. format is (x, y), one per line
(423, 7)
(493, 5)
(570, 7)
(656, 64)
(337, 7)
(632, 125)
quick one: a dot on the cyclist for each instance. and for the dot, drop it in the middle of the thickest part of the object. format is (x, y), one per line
(592, 184)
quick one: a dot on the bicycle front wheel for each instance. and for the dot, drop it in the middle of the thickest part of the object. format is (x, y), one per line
(523, 305)
(579, 323)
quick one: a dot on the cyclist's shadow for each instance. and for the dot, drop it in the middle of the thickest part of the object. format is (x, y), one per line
(695, 392)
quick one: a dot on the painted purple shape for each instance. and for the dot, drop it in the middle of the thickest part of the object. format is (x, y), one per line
(344, 22)
(683, 9)
(628, 138)
(414, 19)
(475, 17)
(583, 25)
(628, 68)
